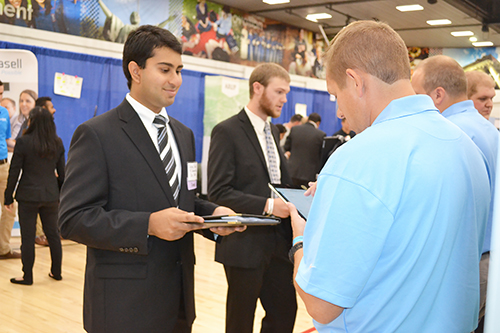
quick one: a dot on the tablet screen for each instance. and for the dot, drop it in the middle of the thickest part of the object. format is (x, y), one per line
(297, 197)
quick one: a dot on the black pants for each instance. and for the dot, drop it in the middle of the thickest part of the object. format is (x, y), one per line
(28, 212)
(272, 282)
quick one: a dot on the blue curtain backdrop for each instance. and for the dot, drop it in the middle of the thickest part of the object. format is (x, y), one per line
(104, 87)
(316, 101)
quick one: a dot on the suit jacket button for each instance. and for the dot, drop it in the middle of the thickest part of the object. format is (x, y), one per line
(121, 249)
(125, 249)
(136, 250)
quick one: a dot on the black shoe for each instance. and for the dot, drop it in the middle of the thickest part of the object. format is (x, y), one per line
(57, 278)
(22, 281)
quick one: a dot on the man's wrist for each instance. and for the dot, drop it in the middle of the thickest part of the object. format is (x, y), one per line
(270, 206)
(293, 250)
(298, 239)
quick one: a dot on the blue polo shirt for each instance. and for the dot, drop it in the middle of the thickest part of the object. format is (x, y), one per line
(4, 132)
(392, 235)
(486, 137)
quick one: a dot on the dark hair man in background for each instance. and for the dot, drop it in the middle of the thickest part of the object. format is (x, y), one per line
(129, 196)
(295, 120)
(46, 103)
(303, 149)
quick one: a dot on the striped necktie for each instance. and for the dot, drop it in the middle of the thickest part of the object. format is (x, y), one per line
(271, 156)
(167, 156)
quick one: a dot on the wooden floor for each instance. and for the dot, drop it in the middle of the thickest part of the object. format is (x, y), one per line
(50, 306)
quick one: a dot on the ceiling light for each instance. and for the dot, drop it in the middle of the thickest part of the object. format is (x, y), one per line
(438, 22)
(409, 8)
(275, 2)
(462, 33)
(318, 16)
(481, 44)
(473, 39)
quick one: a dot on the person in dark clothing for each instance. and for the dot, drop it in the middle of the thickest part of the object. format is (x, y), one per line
(37, 154)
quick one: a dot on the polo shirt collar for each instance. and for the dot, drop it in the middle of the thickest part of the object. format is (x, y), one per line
(406, 106)
(459, 107)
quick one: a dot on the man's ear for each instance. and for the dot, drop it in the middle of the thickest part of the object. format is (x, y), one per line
(258, 88)
(356, 80)
(438, 95)
(135, 71)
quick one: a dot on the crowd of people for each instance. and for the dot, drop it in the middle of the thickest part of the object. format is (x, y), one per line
(398, 234)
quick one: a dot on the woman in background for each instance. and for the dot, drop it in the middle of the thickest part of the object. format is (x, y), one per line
(37, 153)
(27, 100)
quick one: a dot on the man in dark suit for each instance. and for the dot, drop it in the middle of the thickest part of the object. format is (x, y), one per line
(304, 148)
(244, 157)
(129, 196)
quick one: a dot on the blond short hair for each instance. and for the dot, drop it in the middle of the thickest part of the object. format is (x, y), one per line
(373, 47)
(476, 79)
(13, 102)
(443, 71)
(265, 72)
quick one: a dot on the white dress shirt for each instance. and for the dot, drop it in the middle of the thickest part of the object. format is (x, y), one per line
(258, 126)
(147, 116)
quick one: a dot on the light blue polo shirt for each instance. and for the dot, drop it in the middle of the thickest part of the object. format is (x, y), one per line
(486, 137)
(392, 234)
(4, 132)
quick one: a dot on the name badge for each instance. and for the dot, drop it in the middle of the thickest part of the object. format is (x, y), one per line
(192, 175)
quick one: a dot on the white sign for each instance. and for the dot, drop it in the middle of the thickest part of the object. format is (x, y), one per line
(301, 109)
(18, 71)
(68, 85)
(230, 86)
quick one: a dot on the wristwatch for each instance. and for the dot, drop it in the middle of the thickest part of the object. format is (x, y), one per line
(294, 249)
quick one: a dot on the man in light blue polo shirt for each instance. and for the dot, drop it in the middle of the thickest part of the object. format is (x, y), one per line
(444, 80)
(6, 220)
(392, 241)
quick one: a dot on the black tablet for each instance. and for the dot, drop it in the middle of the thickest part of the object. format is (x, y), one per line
(239, 219)
(295, 196)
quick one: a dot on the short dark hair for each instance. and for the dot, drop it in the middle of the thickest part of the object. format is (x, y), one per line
(141, 44)
(296, 117)
(1, 83)
(314, 117)
(281, 128)
(42, 101)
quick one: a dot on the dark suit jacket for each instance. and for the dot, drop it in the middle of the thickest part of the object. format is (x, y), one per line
(304, 144)
(114, 180)
(38, 182)
(238, 178)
